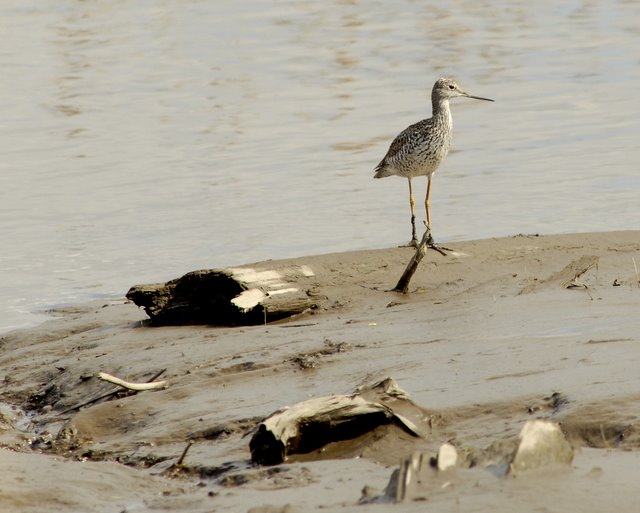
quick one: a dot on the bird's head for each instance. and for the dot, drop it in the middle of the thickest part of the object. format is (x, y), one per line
(446, 88)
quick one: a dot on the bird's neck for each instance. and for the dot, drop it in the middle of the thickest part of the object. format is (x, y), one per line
(441, 112)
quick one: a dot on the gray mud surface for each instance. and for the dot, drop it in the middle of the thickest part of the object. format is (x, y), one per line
(503, 331)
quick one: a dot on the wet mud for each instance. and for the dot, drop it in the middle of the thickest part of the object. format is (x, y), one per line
(498, 333)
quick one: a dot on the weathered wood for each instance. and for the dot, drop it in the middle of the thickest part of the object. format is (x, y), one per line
(138, 387)
(230, 296)
(311, 424)
(412, 266)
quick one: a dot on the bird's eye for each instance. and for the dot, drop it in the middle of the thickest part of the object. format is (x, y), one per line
(451, 86)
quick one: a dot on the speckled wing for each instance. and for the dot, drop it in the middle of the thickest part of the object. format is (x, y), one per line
(407, 142)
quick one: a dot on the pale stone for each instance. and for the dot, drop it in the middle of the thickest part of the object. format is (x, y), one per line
(541, 443)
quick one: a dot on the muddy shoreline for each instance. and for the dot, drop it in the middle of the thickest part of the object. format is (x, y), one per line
(503, 331)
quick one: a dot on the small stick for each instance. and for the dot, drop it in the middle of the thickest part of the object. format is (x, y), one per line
(132, 386)
(157, 375)
(177, 467)
(105, 396)
(90, 401)
(184, 454)
(403, 282)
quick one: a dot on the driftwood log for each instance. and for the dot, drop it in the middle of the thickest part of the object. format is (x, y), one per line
(312, 424)
(226, 297)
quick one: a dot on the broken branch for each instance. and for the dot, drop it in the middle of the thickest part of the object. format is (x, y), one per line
(412, 266)
(154, 385)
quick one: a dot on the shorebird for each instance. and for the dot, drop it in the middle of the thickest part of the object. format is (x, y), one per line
(420, 148)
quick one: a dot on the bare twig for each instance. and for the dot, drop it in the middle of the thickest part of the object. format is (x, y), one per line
(108, 395)
(184, 454)
(157, 375)
(90, 401)
(403, 282)
(178, 467)
(154, 385)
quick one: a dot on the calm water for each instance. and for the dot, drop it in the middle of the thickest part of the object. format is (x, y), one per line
(144, 139)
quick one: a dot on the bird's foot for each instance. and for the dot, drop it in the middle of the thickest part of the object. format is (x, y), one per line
(413, 243)
(436, 247)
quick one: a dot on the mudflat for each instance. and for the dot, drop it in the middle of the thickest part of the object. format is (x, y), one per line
(499, 332)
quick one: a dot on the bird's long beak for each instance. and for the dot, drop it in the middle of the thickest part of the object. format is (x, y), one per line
(478, 98)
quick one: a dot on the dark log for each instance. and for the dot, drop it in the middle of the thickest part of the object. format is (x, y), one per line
(227, 297)
(312, 424)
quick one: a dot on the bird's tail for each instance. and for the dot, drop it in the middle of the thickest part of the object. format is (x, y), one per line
(382, 170)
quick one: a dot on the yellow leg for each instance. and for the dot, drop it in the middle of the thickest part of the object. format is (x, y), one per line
(412, 204)
(427, 204)
(427, 201)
